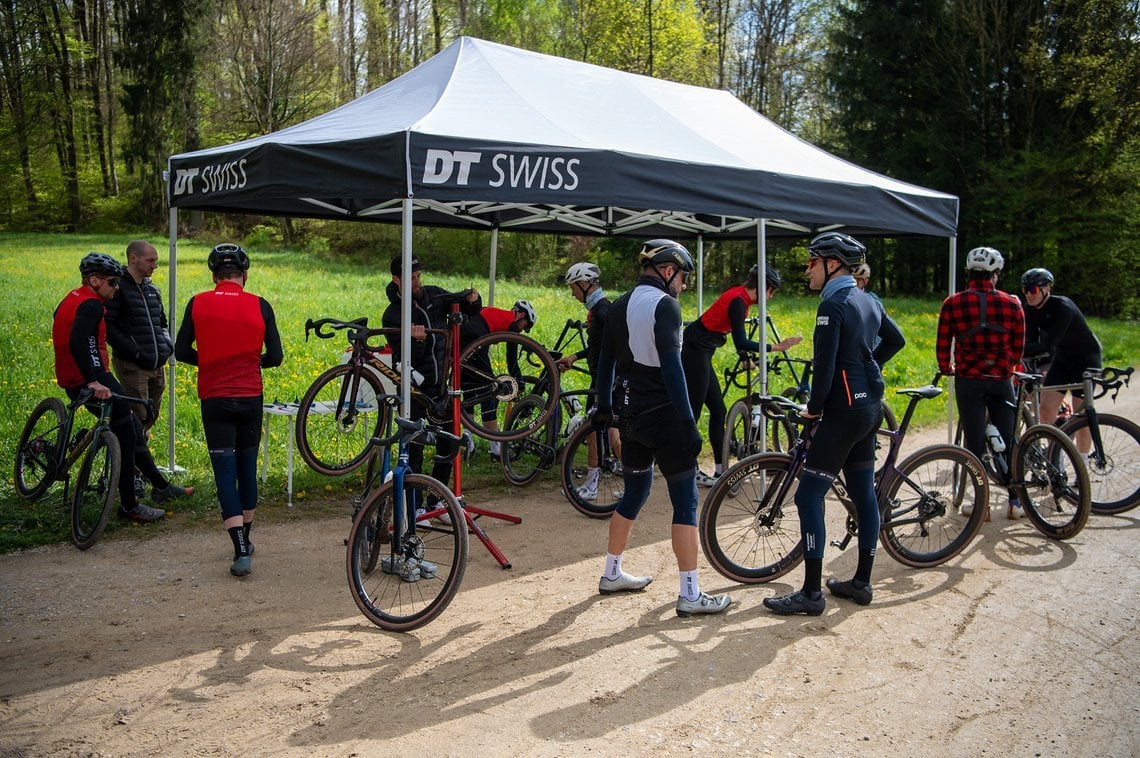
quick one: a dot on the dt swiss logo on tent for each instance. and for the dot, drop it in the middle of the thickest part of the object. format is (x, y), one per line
(213, 178)
(509, 169)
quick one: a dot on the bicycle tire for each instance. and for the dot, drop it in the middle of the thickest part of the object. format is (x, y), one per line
(575, 469)
(1115, 482)
(334, 431)
(380, 573)
(742, 439)
(921, 523)
(39, 448)
(95, 490)
(498, 390)
(1052, 482)
(746, 535)
(523, 460)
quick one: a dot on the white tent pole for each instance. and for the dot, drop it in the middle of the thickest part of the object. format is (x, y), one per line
(762, 307)
(950, 379)
(494, 263)
(406, 309)
(172, 320)
(700, 274)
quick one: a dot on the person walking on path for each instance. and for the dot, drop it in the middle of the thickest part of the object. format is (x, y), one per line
(222, 333)
(641, 383)
(846, 398)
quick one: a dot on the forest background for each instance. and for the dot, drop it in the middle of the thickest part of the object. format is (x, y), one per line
(1027, 110)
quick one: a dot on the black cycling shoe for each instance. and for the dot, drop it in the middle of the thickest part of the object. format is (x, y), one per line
(797, 602)
(861, 595)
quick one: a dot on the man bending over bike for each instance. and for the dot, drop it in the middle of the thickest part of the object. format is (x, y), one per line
(79, 336)
(847, 398)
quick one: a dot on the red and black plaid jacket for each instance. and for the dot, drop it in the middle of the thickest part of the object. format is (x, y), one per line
(987, 353)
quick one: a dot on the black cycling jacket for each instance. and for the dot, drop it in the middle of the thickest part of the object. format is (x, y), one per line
(136, 324)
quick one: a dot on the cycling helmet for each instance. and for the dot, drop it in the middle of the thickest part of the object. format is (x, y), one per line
(101, 264)
(228, 255)
(861, 271)
(1036, 277)
(662, 252)
(528, 311)
(771, 276)
(583, 272)
(984, 259)
(848, 250)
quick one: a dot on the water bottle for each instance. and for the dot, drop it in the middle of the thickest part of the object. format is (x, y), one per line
(417, 377)
(574, 422)
(997, 444)
(757, 419)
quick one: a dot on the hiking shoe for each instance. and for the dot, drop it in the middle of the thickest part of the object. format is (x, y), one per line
(588, 492)
(171, 492)
(861, 595)
(704, 604)
(241, 566)
(624, 583)
(704, 480)
(796, 602)
(143, 512)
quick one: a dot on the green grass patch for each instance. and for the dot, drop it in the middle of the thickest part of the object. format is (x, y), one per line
(37, 270)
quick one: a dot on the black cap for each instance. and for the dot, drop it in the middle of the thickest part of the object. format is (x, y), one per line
(398, 265)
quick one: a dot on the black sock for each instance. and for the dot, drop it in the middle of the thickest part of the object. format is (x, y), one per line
(241, 547)
(863, 570)
(813, 574)
(245, 530)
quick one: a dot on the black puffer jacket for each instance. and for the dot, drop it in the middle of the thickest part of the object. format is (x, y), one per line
(137, 326)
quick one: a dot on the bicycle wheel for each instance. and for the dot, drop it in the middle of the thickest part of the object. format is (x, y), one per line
(95, 490)
(742, 436)
(39, 448)
(921, 525)
(523, 460)
(402, 583)
(601, 499)
(749, 533)
(1052, 481)
(1115, 478)
(498, 370)
(338, 417)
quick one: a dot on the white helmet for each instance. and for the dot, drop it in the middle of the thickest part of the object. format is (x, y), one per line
(527, 310)
(984, 259)
(583, 272)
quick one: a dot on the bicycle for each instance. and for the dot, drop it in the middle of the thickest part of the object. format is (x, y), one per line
(339, 413)
(1046, 471)
(523, 460)
(747, 535)
(50, 444)
(576, 466)
(1114, 457)
(404, 562)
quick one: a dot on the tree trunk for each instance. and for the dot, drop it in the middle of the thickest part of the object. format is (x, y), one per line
(11, 72)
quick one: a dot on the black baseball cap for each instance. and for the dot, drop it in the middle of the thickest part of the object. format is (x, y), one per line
(398, 265)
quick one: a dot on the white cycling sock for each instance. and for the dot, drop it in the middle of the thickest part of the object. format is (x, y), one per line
(690, 587)
(613, 566)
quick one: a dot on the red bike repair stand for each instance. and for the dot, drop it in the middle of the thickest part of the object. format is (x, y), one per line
(470, 512)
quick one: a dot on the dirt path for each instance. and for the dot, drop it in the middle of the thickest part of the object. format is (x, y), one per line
(1022, 646)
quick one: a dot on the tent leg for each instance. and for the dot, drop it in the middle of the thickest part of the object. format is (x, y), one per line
(172, 319)
(950, 380)
(494, 264)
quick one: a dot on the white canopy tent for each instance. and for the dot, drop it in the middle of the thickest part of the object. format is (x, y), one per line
(492, 137)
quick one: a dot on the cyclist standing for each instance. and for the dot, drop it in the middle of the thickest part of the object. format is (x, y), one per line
(701, 340)
(847, 398)
(642, 346)
(79, 336)
(987, 329)
(1055, 325)
(229, 326)
(585, 282)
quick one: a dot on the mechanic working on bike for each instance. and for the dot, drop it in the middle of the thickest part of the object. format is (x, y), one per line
(847, 399)
(640, 361)
(79, 337)
(701, 340)
(987, 329)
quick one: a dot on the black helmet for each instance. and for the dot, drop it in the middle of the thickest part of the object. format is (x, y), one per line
(1036, 277)
(846, 248)
(101, 264)
(228, 254)
(771, 276)
(665, 252)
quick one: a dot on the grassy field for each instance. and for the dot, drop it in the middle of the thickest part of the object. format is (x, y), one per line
(37, 270)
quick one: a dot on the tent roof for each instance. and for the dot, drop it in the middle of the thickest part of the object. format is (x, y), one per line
(485, 135)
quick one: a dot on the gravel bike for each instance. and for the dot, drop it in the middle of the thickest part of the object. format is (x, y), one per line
(603, 498)
(406, 557)
(340, 412)
(750, 530)
(52, 441)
